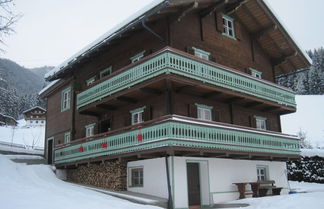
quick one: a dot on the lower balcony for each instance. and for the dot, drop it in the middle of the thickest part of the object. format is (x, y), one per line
(178, 135)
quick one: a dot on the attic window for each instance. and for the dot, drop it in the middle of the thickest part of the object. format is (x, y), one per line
(228, 27)
(201, 53)
(137, 57)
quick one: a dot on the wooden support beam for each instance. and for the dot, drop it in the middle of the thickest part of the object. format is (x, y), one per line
(91, 113)
(264, 31)
(187, 10)
(151, 91)
(127, 99)
(269, 109)
(283, 59)
(252, 104)
(214, 8)
(211, 94)
(234, 6)
(183, 88)
(106, 106)
(233, 99)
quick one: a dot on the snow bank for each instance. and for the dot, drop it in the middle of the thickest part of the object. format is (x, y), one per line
(23, 135)
(312, 152)
(312, 199)
(309, 118)
(36, 187)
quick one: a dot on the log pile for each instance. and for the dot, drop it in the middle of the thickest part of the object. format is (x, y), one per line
(109, 175)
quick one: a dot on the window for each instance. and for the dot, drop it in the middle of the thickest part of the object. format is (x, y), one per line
(228, 24)
(137, 57)
(137, 115)
(136, 179)
(256, 73)
(66, 99)
(261, 123)
(90, 129)
(91, 80)
(204, 112)
(105, 72)
(67, 137)
(262, 173)
(201, 54)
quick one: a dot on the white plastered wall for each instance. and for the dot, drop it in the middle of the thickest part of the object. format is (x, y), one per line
(216, 178)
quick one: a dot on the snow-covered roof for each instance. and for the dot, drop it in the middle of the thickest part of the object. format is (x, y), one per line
(7, 116)
(139, 15)
(34, 108)
(285, 28)
(105, 37)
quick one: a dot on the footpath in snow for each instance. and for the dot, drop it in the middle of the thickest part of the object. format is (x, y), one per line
(36, 187)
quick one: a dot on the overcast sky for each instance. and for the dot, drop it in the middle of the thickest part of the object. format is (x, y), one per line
(50, 31)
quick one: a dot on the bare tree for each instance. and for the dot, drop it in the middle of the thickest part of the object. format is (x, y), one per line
(7, 19)
(304, 142)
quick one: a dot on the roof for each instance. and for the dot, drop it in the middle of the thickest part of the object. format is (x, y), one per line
(33, 108)
(7, 116)
(279, 45)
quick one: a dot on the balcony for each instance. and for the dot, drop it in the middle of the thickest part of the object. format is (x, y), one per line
(171, 61)
(178, 133)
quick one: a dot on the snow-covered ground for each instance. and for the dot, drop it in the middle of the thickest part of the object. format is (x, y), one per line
(309, 118)
(23, 138)
(36, 187)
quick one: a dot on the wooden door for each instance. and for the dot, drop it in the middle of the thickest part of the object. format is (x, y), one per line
(193, 184)
(50, 151)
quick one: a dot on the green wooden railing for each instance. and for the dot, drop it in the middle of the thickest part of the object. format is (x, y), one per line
(170, 62)
(177, 133)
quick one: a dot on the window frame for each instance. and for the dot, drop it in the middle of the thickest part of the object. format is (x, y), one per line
(106, 70)
(201, 54)
(67, 137)
(265, 169)
(140, 115)
(226, 28)
(261, 120)
(66, 100)
(137, 57)
(139, 179)
(91, 128)
(201, 110)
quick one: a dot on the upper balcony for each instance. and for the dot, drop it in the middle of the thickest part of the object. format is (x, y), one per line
(173, 62)
(178, 135)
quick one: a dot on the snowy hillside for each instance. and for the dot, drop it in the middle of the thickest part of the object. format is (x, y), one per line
(36, 187)
(25, 139)
(309, 118)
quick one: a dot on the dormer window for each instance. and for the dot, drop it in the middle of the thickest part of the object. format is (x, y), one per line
(228, 26)
(201, 53)
(256, 73)
(137, 57)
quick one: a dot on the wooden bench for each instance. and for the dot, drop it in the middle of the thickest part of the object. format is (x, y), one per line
(265, 186)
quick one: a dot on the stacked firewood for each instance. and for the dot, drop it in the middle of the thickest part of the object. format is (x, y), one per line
(110, 175)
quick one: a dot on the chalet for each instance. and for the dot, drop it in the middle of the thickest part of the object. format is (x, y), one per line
(6, 120)
(179, 101)
(35, 116)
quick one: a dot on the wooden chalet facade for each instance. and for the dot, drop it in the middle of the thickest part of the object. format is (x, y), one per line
(192, 82)
(35, 116)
